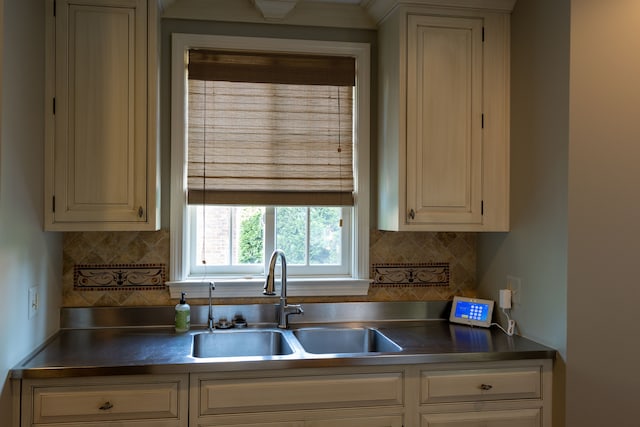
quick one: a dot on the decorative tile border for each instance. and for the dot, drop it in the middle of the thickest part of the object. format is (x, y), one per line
(411, 275)
(130, 277)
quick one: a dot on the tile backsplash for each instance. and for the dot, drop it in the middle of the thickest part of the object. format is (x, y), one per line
(127, 268)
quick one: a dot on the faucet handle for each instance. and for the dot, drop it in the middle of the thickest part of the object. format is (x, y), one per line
(293, 309)
(286, 311)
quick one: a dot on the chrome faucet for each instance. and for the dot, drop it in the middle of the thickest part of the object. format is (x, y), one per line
(212, 286)
(269, 289)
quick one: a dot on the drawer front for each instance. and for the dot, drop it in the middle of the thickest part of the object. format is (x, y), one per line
(513, 418)
(219, 396)
(456, 386)
(105, 403)
(278, 424)
(389, 421)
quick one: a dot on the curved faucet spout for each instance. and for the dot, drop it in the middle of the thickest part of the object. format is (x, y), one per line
(269, 284)
(269, 289)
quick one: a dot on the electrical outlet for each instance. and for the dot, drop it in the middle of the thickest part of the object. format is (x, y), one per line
(515, 285)
(34, 301)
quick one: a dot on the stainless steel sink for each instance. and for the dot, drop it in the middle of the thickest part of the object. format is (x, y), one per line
(241, 343)
(344, 340)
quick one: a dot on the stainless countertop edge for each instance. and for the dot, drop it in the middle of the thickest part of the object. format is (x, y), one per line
(299, 360)
(291, 363)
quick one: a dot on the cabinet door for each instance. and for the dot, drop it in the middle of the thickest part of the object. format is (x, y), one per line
(444, 120)
(511, 418)
(100, 148)
(384, 421)
(265, 424)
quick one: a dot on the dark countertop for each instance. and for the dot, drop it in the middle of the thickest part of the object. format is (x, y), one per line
(89, 352)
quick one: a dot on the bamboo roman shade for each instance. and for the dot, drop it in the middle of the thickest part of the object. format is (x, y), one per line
(270, 129)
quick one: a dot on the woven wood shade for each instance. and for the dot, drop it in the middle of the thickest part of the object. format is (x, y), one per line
(269, 143)
(261, 67)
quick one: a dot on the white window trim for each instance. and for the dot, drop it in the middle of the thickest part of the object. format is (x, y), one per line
(341, 270)
(354, 285)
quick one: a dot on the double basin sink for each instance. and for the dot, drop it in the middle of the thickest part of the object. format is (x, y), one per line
(273, 342)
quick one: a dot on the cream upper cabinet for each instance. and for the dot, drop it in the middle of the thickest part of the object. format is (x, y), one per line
(101, 144)
(444, 120)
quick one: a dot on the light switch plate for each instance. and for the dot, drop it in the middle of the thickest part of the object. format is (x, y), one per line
(34, 301)
(515, 285)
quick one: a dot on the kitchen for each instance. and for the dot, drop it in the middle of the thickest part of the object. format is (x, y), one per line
(570, 225)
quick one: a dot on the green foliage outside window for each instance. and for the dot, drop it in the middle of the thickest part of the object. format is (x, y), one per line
(324, 236)
(251, 236)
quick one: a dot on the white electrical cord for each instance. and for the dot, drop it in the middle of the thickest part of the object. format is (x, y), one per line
(511, 324)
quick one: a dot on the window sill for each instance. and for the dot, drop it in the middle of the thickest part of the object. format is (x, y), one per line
(243, 288)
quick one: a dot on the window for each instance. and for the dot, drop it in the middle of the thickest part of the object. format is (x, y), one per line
(233, 201)
(233, 240)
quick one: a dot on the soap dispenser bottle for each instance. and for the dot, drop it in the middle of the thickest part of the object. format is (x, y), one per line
(183, 315)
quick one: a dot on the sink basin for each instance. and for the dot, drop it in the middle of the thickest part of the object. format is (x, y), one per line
(345, 340)
(240, 343)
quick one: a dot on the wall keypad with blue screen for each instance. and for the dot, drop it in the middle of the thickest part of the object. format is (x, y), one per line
(471, 311)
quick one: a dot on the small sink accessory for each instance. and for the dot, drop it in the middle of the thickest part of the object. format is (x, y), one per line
(239, 321)
(223, 323)
(183, 315)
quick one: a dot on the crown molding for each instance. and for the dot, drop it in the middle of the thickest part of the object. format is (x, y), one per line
(380, 9)
(275, 9)
(346, 14)
(367, 14)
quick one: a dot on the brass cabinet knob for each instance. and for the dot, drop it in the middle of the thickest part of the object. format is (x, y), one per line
(106, 406)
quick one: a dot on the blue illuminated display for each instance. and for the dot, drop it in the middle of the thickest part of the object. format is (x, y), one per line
(472, 311)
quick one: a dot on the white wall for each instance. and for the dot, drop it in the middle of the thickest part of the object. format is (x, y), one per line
(603, 349)
(28, 256)
(535, 250)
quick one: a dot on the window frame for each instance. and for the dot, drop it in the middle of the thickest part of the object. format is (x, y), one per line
(339, 270)
(357, 282)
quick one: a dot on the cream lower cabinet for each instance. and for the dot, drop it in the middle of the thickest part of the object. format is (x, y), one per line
(299, 398)
(101, 144)
(491, 394)
(488, 394)
(510, 394)
(512, 418)
(362, 421)
(141, 401)
(444, 120)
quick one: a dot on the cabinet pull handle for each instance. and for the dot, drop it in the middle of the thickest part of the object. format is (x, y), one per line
(412, 214)
(140, 212)
(106, 406)
(485, 387)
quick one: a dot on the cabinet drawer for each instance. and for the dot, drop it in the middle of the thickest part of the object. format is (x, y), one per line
(512, 418)
(388, 421)
(218, 396)
(452, 386)
(105, 402)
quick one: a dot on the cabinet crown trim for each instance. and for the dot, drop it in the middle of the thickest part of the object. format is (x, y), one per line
(380, 9)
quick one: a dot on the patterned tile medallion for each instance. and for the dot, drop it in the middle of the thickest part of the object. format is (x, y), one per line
(113, 277)
(404, 275)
